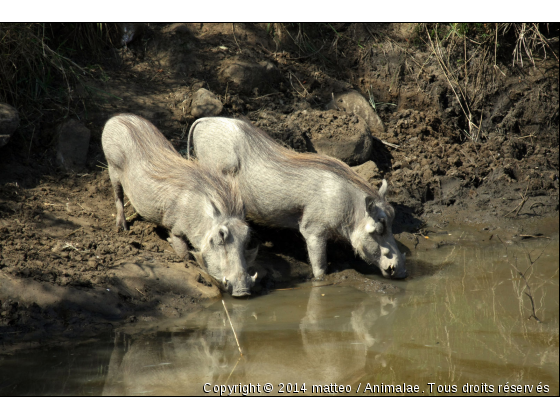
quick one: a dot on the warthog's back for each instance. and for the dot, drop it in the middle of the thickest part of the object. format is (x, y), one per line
(154, 174)
(276, 183)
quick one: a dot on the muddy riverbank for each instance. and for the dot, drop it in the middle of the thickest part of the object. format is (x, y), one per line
(66, 273)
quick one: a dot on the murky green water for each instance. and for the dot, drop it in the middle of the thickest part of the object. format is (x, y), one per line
(462, 321)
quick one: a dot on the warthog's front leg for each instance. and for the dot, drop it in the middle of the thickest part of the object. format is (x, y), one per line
(177, 241)
(119, 198)
(317, 250)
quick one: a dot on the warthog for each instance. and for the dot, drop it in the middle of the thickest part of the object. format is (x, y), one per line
(319, 195)
(182, 196)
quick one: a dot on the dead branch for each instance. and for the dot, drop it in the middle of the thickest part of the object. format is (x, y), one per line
(522, 275)
(524, 199)
(234, 334)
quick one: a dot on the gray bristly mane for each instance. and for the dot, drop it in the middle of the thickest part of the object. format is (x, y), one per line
(287, 161)
(166, 164)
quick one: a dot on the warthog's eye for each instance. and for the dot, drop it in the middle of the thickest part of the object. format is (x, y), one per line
(223, 233)
(383, 225)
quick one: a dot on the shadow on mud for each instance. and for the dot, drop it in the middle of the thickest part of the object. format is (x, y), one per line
(283, 252)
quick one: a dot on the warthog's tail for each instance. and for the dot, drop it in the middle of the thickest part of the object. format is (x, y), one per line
(189, 138)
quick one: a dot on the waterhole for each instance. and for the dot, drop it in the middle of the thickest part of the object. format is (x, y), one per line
(461, 326)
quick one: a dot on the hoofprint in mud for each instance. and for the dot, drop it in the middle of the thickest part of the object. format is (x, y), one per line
(182, 196)
(318, 195)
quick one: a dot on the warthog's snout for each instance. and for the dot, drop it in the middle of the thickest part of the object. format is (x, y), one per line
(393, 273)
(394, 269)
(241, 292)
(240, 288)
(393, 264)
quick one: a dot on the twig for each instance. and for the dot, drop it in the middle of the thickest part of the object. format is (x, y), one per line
(132, 217)
(231, 373)
(305, 56)
(233, 32)
(71, 233)
(524, 199)
(139, 291)
(69, 246)
(394, 146)
(522, 275)
(268, 94)
(234, 334)
(306, 92)
(534, 236)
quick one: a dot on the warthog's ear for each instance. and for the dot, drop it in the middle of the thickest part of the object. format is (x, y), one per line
(211, 210)
(251, 255)
(383, 189)
(198, 258)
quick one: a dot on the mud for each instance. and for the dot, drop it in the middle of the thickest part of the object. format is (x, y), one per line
(65, 271)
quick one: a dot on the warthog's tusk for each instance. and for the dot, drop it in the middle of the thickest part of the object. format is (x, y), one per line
(255, 277)
(224, 281)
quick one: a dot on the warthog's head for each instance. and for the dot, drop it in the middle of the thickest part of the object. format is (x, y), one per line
(224, 256)
(373, 238)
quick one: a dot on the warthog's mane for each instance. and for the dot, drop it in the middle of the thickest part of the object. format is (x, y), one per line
(166, 165)
(270, 153)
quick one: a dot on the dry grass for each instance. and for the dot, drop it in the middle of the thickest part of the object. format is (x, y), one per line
(529, 40)
(467, 55)
(35, 68)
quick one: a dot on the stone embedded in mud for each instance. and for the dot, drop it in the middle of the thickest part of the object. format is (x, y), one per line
(205, 104)
(245, 76)
(368, 171)
(72, 143)
(9, 122)
(353, 102)
(177, 27)
(334, 133)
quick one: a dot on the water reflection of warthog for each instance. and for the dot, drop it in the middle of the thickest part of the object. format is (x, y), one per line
(174, 363)
(318, 195)
(180, 195)
(322, 347)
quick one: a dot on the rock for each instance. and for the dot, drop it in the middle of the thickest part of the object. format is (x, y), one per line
(368, 171)
(245, 76)
(333, 133)
(177, 27)
(354, 103)
(9, 122)
(72, 143)
(92, 263)
(205, 104)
